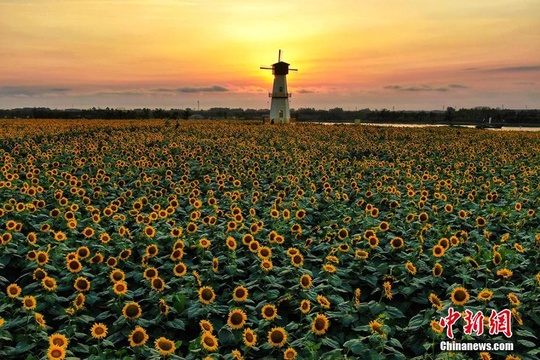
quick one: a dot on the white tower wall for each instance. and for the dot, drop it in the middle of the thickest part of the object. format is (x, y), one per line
(279, 108)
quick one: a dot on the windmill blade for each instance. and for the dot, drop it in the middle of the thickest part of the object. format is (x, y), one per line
(293, 69)
(266, 68)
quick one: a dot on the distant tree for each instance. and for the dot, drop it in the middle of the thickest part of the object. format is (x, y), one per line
(187, 113)
(450, 114)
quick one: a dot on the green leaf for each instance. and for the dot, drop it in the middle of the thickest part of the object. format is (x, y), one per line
(330, 342)
(526, 343)
(176, 324)
(416, 321)
(355, 345)
(394, 313)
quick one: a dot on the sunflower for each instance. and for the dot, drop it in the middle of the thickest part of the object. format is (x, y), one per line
(344, 248)
(177, 254)
(290, 354)
(204, 243)
(164, 346)
(49, 283)
(74, 265)
(79, 301)
(29, 302)
(265, 252)
(376, 327)
(59, 340)
(343, 233)
(231, 243)
(105, 238)
(31, 238)
(384, 226)
(472, 262)
(512, 357)
(323, 301)
(152, 250)
(97, 258)
(81, 284)
(485, 295)
(13, 291)
(320, 324)
(329, 268)
(83, 252)
(117, 275)
(240, 293)
(5, 238)
(206, 295)
(459, 296)
(249, 337)
(191, 228)
(435, 301)
(198, 278)
(40, 320)
(411, 269)
(388, 290)
(519, 248)
(180, 269)
(396, 243)
(125, 254)
(138, 337)
(131, 310)
(305, 281)
(112, 262)
(254, 246)
(39, 274)
(438, 251)
(505, 273)
(445, 243)
(305, 306)
(373, 241)
(163, 307)
(267, 265)
(277, 337)
(88, 232)
(297, 260)
(296, 229)
(237, 319)
(436, 327)
(480, 221)
(361, 254)
(98, 331)
(423, 217)
(42, 258)
(120, 288)
(56, 353)
(209, 341)
(269, 312)
(437, 270)
(149, 231)
(514, 300)
(206, 325)
(158, 284)
(497, 258)
(517, 316)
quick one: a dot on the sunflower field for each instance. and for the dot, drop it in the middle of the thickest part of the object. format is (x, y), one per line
(212, 240)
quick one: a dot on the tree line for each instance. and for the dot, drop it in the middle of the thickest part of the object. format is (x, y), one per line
(476, 115)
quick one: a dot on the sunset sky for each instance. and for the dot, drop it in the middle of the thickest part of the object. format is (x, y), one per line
(412, 55)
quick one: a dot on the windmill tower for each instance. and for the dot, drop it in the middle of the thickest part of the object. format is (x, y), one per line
(279, 108)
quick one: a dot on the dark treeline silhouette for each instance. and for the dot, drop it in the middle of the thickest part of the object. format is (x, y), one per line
(478, 115)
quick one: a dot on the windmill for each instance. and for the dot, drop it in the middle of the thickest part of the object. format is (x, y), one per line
(279, 108)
